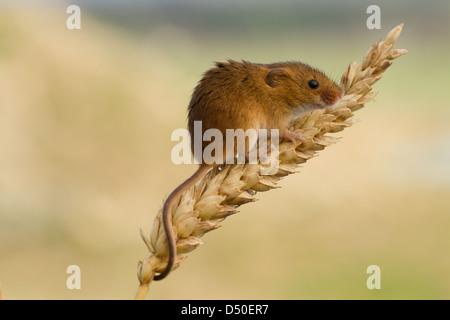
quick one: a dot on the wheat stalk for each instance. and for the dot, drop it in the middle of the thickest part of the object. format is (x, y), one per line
(223, 190)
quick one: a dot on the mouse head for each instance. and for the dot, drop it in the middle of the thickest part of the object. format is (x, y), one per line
(299, 85)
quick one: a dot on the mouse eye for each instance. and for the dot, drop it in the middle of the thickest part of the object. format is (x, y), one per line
(313, 84)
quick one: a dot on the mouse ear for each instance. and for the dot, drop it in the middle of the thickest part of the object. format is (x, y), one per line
(274, 76)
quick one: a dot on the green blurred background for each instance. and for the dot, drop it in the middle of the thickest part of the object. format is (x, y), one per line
(85, 123)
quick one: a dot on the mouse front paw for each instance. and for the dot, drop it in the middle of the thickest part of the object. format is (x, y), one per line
(293, 136)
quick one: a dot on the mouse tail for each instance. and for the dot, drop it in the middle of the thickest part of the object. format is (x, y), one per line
(167, 216)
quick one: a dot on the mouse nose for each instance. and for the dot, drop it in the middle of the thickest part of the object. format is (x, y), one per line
(331, 95)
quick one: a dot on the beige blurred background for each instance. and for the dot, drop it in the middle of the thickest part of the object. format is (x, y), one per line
(85, 123)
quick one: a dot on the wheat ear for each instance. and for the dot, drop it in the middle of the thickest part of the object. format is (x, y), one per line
(203, 207)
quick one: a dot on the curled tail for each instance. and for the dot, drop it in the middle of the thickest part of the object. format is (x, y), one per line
(167, 216)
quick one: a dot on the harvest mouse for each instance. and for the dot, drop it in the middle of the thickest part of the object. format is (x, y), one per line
(245, 95)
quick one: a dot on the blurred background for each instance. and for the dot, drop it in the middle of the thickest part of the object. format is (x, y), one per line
(85, 123)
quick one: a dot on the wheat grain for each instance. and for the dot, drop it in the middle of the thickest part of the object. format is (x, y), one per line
(223, 190)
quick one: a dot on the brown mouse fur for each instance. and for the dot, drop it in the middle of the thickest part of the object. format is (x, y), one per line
(245, 95)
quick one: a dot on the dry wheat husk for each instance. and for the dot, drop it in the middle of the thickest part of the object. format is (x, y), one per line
(222, 191)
